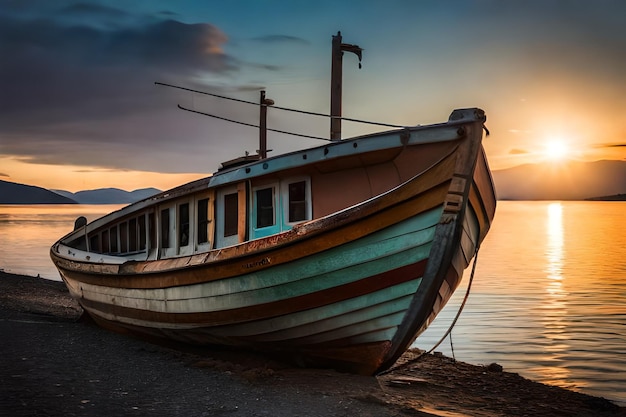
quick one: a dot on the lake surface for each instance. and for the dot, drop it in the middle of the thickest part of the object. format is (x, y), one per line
(548, 299)
(28, 231)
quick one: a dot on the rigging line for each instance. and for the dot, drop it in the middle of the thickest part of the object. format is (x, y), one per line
(250, 124)
(458, 314)
(208, 94)
(347, 119)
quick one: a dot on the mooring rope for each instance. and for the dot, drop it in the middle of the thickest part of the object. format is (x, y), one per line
(458, 314)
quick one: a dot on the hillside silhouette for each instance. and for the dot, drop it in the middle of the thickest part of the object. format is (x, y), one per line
(109, 195)
(14, 193)
(567, 180)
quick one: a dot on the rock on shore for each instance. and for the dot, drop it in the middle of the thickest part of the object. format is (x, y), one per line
(53, 364)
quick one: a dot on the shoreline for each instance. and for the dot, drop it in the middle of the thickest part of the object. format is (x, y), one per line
(53, 363)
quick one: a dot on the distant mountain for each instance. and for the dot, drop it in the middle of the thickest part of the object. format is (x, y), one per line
(14, 193)
(570, 180)
(616, 197)
(109, 195)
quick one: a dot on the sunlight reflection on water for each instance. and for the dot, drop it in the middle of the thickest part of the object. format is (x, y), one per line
(555, 307)
(549, 297)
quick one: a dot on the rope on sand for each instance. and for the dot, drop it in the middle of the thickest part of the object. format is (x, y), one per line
(449, 331)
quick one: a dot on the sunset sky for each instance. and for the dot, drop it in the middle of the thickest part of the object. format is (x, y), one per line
(79, 108)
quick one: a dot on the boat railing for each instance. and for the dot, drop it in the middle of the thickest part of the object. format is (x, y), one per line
(70, 253)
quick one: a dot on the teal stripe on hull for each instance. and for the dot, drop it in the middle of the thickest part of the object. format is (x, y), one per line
(370, 318)
(402, 244)
(374, 330)
(326, 318)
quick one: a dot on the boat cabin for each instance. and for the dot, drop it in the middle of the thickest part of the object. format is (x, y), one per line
(204, 220)
(256, 200)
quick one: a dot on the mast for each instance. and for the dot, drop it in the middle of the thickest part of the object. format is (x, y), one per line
(263, 124)
(336, 82)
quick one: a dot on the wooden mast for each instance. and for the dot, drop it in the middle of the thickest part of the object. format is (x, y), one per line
(336, 82)
(263, 124)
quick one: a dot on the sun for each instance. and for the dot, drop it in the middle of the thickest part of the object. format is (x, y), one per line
(556, 149)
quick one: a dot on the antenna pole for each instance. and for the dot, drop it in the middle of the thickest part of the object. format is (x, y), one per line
(336, 82)
(263, 128)
(263, 124)
(335, 88)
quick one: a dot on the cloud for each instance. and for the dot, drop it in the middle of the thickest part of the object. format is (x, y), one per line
(270, 39)
(518, 152)
(46, 54)
(91, 171)
(84, 93)
(610, 145)
(168, 14)
(93, 10)
(2, 174)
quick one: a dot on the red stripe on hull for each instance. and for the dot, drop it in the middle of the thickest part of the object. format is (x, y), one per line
(273, 309)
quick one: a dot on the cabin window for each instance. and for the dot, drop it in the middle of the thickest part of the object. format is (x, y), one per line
(94, 243)
(151, 230)
(297, 201)
(132, 235)
(229, 216)
(203, 221)
(183, 224)
(123, 237)
(113, 234)
(265, 207)
(141, 223)
(231, 211)
(105, 241)
(165, 228)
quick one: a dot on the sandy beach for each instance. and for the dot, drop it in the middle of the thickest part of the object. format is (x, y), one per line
(54, 363)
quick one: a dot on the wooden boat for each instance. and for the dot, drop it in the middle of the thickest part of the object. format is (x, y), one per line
(335, 256)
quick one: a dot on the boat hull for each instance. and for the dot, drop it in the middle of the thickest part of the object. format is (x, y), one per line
(351, 290)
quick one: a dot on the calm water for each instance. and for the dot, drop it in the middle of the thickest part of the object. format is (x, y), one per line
(27, 232)
(548, 299)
